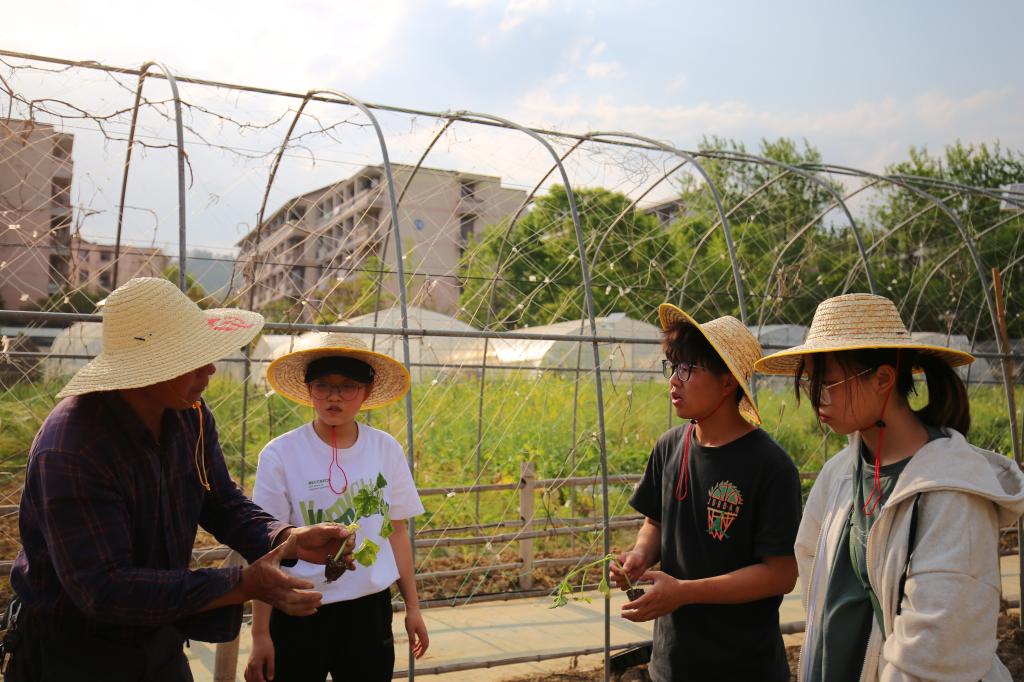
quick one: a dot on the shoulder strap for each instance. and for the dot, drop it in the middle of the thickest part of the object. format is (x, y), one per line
(911, 538)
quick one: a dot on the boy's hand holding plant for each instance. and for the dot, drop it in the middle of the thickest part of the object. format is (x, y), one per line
(565, 590)
(626, 571)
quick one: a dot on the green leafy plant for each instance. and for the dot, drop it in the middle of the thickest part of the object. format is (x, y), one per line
(566, 590)
(367, 502)
(370, 500)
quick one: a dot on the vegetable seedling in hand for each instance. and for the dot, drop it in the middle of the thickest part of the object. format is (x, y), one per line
(564, 592)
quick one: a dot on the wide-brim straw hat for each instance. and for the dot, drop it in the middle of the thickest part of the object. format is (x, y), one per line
(854, 322)
(287, 374)
(733, 342)
(152, 332)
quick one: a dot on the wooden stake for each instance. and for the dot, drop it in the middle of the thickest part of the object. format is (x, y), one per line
(997, 282)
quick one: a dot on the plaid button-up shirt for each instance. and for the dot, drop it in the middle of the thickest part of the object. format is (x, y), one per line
(109, 516)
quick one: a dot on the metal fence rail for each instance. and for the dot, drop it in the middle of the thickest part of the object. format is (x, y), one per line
(958, 221)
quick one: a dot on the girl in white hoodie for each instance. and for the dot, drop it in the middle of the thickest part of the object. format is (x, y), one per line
(898, 546)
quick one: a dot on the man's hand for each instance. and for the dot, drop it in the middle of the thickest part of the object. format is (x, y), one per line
(315, 543)
(264, 580)
(631, 564)
(665, 596)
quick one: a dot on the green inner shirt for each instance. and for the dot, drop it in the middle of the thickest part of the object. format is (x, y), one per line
(841, 641)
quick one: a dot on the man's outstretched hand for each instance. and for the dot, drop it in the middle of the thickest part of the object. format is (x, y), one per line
(315, 543)
(264, 580)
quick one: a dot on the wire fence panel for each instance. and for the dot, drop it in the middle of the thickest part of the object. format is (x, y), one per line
(516, 272)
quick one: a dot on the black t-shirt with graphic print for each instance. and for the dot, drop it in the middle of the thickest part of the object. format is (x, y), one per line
(742, 503)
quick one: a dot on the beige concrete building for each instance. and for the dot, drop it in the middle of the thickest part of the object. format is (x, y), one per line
(92, 265)
(35, 212)
(316, 239)
(39, 253)
(667, 212)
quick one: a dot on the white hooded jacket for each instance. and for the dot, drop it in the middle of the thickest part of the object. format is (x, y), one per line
(947, 626)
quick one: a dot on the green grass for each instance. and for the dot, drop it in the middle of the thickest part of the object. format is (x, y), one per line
(524, 420)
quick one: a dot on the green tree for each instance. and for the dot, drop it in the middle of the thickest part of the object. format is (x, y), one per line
(340, 299)
(77, 301)
(534, 266)
(352, 296)
(922, 261)
(193, 289)
(788, 244)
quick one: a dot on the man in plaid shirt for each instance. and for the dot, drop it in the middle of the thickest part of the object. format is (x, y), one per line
(119, 477)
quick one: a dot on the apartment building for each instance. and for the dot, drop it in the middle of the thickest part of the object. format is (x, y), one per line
(92, 265)
(40, 254)
(327, 235)
(667, 212)
(35, 212)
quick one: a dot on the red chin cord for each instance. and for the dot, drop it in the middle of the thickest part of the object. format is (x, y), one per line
(335, 463)
(683, 481)
(876, 488)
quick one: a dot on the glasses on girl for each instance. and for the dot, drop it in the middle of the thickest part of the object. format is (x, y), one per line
(322, 390)
(682, 370)
(824, 397)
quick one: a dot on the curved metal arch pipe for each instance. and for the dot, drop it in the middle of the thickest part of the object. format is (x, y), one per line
(632, 205)
(949, 257)
(589, 300)
(402, 296)
(982, 280)
(741, 298)
(352, 101)
(398, 202)
(266, 193)
(450, 119)
(807, 175)
(711, 230)
(1015, 198)
(778, 258)
(180, 137)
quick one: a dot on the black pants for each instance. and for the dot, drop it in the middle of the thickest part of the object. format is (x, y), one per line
(351, 640)
(49, 651)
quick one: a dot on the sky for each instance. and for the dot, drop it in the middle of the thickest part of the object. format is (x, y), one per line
(862, 82)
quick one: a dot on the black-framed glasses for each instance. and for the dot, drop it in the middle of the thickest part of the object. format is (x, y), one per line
(825, 398)
(322, 390)
(681, 370)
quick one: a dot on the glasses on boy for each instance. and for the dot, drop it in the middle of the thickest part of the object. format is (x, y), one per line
(682, 370)
(322, 390)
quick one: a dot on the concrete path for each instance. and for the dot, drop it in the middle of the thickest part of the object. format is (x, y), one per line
(521, 627)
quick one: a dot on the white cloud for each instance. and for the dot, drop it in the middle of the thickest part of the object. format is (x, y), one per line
(603, 69)
(297, 45)
(677, 83)
(870, 133)
(518, 11)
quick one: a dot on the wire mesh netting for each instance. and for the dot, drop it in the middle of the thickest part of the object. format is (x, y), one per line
(518, 278)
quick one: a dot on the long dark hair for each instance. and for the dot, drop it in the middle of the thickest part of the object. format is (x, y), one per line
(947, 395)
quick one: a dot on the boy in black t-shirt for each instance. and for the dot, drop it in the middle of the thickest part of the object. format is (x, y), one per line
(722, 507)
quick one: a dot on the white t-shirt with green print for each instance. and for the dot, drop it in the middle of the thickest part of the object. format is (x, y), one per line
(292, 484)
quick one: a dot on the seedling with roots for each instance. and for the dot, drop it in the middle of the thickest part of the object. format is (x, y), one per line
(368, 501)
(565, 590)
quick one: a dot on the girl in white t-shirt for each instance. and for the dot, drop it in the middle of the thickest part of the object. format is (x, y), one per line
(336, 469)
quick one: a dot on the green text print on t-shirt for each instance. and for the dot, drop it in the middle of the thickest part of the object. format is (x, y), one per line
(362, 499)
